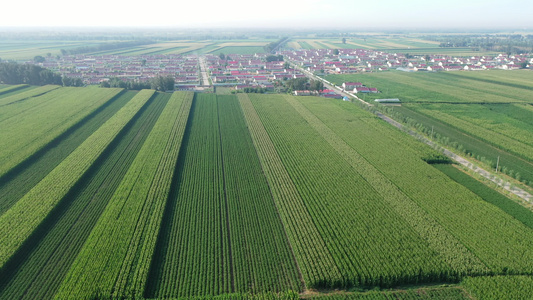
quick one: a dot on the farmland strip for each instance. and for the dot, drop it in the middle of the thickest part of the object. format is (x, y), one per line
(18, 222)
(27, 94)
(366, 253)
(192, 252)
(455, 254)
(12, 88)
(498, 240)
(308, 246)
(115, 260)
(261, 257)
(39, 267)
(28, 127)
(19, 180)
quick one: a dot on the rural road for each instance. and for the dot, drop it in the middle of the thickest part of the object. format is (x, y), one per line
(203, 71)
(459, 159)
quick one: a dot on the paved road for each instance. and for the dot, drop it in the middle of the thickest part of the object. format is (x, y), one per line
(459, 159)
(203, 71)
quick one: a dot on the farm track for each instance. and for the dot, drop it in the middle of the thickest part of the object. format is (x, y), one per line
(41, 264)
(24, 176)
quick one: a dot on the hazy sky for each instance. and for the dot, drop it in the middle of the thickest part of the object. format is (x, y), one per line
(272, 13)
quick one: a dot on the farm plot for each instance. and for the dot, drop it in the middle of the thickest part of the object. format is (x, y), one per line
(434, 87)
(28, 126)
(483, 228)
(239, 50)
(26, 175)
(307, 244)
(221, 233)
(412, 294)
(5, 89)
(330, 187)
(19, 222)
(115, 259)
(479, 149)
(42, 263)
(494, 128)
(516, 78)
(20, 95)
(482, 116)
(514, 209)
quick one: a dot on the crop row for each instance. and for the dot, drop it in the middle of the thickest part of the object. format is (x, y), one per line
(27, 127)
(115, 259)
(19, 221)
(25, 176)
(498, 240)
(367, 253)
(42, 263)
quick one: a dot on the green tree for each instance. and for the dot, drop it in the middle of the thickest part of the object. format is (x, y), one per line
(271, 58)
(39, 59)
(163, 83)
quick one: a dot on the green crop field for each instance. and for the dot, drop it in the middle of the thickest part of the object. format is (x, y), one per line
(239, 50)
(113, 194)
(483, 114)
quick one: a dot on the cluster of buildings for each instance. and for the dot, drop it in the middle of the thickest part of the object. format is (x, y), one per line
(252, 70)
(97, 68)
(346, 61)
(257, 70)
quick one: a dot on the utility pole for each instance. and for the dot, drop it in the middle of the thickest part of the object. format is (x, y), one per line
(497, 164)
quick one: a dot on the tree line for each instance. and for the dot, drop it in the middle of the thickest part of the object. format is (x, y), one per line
(159, 83)
(272, 47)
(298, 84)
(510, 44)
(13, 73)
